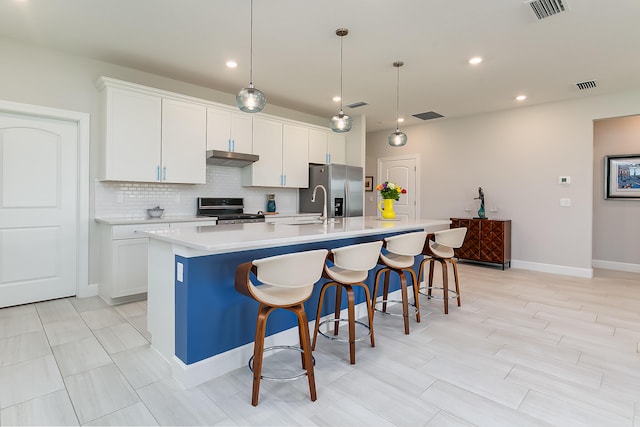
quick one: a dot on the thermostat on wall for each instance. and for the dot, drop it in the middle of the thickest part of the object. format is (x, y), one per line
(564, 180)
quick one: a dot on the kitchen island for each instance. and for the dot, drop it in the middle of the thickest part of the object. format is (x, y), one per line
(199, 323)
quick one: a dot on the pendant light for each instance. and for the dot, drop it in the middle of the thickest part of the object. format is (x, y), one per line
(341, 122)
(250, 99)
(397, 138)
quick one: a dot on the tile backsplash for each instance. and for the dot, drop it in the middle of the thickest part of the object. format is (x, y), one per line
(132, 199)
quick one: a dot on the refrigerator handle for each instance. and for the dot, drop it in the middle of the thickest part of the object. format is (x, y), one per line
(346, 199)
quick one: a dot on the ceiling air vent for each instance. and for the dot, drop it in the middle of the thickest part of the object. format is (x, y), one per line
(428, 115)
(586, 85)
(357, 104)
(546, 8)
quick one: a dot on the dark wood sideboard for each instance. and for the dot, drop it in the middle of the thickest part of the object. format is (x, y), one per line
(487, 240)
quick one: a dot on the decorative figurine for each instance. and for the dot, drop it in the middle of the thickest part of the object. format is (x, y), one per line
(480, 197)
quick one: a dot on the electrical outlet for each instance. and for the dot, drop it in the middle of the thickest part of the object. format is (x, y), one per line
(565, 202)
(179, 272)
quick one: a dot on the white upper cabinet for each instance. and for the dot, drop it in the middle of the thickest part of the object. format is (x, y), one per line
(283, 151)
(132, 136)
(184, 142)
(295, 156)
(229, 131)
(152, 138)
(326, 147)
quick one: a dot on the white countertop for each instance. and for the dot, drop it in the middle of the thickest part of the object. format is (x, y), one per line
(142, 220)
(218, 239)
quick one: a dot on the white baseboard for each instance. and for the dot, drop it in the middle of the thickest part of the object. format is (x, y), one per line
(90, 290)
(200, 372)
(613, 265)
(553, 268)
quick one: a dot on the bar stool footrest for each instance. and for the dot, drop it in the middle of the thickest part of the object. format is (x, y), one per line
(415, 309)
(336, 338)
(424, 291)
(282, 379)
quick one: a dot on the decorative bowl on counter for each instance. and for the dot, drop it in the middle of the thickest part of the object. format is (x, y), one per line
(155, 212)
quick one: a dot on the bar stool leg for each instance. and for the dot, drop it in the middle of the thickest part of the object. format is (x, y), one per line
(385, 290)
(431, 268)
(318, 314)
(258, 350)
(352, 324)
(305, 344)
(369, 312)
(336, 312)
(416, 287)
(445, 285)
(455, 275)
(405, 302)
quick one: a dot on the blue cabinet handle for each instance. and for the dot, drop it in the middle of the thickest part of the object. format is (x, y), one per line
(328, 156)
(233, 145)
(158, 173)
(229, 144)
(285, 180)
(164, 173)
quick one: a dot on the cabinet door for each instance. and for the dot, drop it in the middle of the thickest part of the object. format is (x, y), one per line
(492, 247)
(337, 146)
(129, 266)
(228, 131)
(132, 132)
(184, 142)
(318, 146)
(295, 156)
(471, 247)
(218, 129)
(241, 133)
(267, 143)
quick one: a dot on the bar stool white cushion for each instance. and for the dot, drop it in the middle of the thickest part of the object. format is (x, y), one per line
(287, 279)
(446, 241)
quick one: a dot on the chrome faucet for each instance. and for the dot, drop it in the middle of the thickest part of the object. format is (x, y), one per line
(324, 206)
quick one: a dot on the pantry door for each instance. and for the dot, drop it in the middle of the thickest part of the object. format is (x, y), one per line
(402, 171)
(38, 208)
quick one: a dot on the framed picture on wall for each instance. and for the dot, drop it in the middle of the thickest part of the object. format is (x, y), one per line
(368, 183)
(622, 177)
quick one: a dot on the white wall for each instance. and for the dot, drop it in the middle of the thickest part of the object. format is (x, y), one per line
(50, 78)
(616, 243)
(516, 156)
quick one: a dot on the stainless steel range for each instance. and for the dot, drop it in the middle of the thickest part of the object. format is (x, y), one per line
(227, 210)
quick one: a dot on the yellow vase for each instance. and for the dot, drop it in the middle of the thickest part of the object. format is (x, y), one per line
(386, 207)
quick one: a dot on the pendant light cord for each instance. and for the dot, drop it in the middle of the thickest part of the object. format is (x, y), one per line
(398, 97)
(341, 37)
(251, 45)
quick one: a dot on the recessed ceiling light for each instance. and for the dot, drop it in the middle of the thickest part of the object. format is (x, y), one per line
(521, 97)
(336, 99)
(475, 60)
(231, 64)
(400, 120)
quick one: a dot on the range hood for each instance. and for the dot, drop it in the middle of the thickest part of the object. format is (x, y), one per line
(231, 159)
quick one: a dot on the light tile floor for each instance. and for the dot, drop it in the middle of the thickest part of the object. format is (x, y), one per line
(525, 348)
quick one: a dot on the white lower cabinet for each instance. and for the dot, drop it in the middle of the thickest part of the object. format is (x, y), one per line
(123, 259)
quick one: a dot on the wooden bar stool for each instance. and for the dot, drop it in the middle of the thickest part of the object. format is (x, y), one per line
(347, 267)
(440, 247)
(398, 256)
(285, 281)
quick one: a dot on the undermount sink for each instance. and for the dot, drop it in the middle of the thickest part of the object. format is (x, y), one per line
(311, 221)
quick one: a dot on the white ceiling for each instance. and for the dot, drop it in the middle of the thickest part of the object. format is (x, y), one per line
(297, 54)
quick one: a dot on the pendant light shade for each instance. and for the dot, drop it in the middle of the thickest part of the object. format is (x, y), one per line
(341, 122)
(397, 138)
(250, 99)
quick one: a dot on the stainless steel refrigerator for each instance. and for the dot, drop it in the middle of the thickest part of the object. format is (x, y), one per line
(345, 190)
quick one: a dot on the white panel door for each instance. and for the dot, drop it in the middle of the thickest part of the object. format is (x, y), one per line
(401, 172)
(38, 209)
